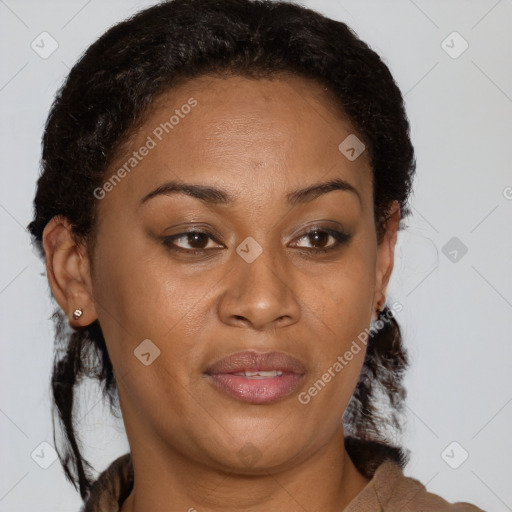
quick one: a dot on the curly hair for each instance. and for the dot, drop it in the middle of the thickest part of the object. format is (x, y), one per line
(106, 97)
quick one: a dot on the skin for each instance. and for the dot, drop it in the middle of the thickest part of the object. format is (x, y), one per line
(257, 140)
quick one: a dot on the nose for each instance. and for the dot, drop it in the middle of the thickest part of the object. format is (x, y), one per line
(259, 294)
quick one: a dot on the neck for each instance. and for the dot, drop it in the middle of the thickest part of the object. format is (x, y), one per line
(164, 479)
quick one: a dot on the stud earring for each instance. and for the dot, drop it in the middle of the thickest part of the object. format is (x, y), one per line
(379, 312)
(78, 313)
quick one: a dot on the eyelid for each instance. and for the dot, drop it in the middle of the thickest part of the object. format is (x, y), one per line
(167, 240)
(318, 225)
(340, 236)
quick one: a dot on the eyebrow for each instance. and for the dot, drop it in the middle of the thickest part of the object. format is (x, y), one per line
(212, 195)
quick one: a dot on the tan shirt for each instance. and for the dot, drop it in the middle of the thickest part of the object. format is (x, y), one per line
(388, 491)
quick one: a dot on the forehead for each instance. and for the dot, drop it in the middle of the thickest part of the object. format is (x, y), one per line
(252, 136)
(235, 108)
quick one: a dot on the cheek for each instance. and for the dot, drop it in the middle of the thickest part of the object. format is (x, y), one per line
(340, 304)
(139, 299)
(129, 298)
(140, 294)
(342, 295)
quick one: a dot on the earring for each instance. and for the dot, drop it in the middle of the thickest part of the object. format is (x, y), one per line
(78, 313)
(379, 312)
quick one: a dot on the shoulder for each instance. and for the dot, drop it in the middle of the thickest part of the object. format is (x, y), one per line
(391, 490)
(112, 487)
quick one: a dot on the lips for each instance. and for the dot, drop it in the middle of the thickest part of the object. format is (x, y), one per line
(257, 378)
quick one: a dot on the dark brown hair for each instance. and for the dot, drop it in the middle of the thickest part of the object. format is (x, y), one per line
(106, 96)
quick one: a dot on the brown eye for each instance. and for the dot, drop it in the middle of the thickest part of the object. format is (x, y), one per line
(196, 240)
(192, 241)
(323, 240)
(319, 238)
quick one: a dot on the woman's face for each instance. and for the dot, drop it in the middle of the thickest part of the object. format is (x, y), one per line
(269, 270)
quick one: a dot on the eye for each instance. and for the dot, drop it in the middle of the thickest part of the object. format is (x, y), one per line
(194, 242)
(324, 239)
(197, 242)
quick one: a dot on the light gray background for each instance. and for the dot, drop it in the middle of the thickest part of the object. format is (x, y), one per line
(457, 315)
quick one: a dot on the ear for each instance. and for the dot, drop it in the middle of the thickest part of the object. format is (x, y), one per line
(68, 271)
(386, 255)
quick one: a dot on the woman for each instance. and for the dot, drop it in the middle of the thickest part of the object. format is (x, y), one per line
(223, 183)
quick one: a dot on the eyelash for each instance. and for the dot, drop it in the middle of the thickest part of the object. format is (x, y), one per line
(340, 237)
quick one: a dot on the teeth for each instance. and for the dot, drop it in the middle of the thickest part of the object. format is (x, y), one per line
(260, 374)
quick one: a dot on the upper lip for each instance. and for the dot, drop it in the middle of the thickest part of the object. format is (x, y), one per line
(252, 360)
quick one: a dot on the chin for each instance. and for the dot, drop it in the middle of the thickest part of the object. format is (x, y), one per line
(253, 456)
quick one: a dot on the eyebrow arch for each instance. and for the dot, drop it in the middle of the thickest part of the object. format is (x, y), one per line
(213, 195)
(306, 194)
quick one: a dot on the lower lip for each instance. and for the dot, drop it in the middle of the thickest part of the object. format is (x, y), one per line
(257, 391)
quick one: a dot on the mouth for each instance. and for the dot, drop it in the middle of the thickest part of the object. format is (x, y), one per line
(259, 374)
(257, 378)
